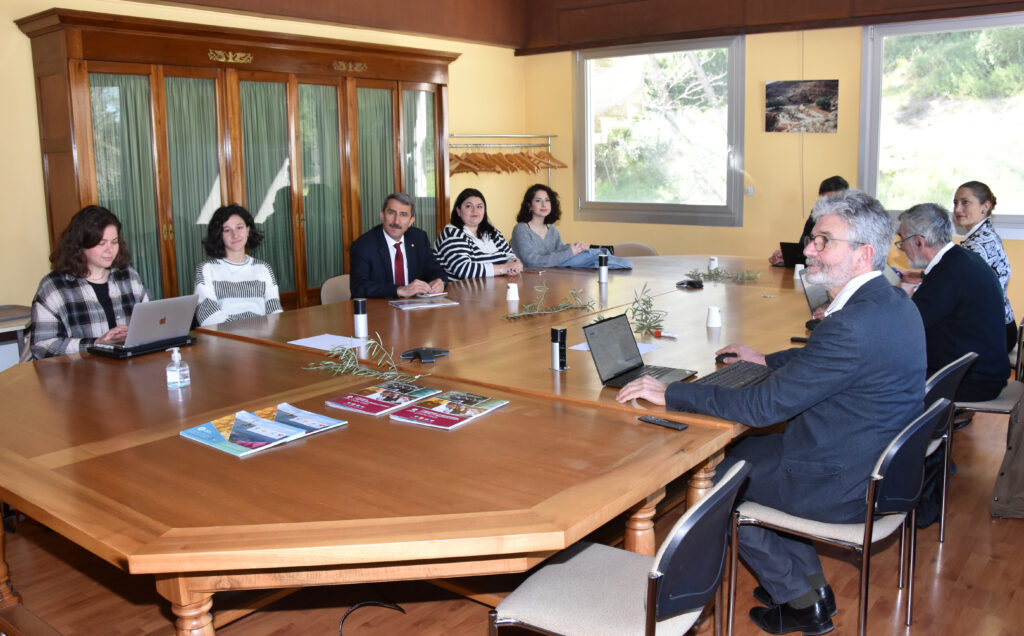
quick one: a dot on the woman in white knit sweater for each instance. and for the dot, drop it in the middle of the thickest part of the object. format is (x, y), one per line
(231, 284)
(469, 246)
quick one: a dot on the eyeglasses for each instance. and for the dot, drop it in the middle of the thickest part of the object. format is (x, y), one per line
(904, 239)
(821, 241)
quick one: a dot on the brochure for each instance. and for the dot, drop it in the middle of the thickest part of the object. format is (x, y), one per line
(381, 399)
(242, 434)
(448, 410)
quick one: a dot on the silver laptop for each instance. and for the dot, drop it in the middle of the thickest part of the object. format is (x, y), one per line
(155, 325)
(617, 356)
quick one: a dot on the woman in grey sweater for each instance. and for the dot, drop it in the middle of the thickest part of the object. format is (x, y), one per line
(536, 240)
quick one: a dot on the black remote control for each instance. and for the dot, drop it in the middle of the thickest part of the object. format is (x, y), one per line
(660, 421)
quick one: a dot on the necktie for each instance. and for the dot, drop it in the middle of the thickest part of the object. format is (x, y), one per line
(399, 266)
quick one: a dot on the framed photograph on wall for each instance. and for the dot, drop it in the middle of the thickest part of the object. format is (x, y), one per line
(801, 106)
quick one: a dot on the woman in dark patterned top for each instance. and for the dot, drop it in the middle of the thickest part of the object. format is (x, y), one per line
(232, 285)
(972, 212)
(89, 296)
(469, 246)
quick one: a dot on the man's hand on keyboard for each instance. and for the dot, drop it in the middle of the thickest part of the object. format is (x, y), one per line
(742, 352)
(644, 387)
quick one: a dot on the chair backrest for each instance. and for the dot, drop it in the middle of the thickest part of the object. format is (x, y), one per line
(692, 558)
(634, 249)
(335, 289)
(899, 472)
(945, 382)
(1018, 363)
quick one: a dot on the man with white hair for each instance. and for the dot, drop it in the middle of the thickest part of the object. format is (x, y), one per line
(846, 394)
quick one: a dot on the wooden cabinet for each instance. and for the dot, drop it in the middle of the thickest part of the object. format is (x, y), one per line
(163, 122)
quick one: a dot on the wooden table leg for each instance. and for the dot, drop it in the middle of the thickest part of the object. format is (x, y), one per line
(639, 536)
(8, 596)
(192, 609)
(702, 479)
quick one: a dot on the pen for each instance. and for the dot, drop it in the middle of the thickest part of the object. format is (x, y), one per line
(666, 334)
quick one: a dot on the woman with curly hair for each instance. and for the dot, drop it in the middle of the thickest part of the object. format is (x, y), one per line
(537, 242)
(231, 284)
(89, 296)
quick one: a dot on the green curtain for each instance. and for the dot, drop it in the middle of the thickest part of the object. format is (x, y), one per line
(195, 173)
(321, 182)
(267, 178)
(376, 154)
(418, 155)
(123, 148)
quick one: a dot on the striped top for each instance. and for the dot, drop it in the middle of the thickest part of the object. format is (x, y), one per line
(232, 291)
(463, 255)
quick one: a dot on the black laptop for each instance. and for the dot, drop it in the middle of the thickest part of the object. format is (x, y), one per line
(617, 356)
(155, 326)
(792, 254)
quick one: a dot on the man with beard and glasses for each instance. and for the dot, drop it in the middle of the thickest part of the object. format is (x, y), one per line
(394, 258)
(846, 394)
(960, 300)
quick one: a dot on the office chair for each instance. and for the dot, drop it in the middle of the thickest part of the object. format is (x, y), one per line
(894, 489)
(335, 289)
(591, 588)
(944, 384)
(634, 249)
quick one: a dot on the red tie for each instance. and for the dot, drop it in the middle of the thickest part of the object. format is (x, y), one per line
(399, 266)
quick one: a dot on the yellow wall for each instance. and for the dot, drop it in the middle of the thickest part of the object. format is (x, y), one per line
(492, 91)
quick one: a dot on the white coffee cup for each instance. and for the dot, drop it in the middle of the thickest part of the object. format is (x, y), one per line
(714, 316)
(513, 292)
(796, 270)
(712, 263)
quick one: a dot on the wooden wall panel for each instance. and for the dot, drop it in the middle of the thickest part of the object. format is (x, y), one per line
(498, 22)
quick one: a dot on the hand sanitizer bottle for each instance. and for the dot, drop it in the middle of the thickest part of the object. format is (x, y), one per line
(177, 371)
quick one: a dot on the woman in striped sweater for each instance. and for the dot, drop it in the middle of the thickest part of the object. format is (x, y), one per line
(232, 285)
(469, 246)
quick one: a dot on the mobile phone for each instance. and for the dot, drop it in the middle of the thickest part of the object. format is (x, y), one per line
(660, 421)
(798, 339)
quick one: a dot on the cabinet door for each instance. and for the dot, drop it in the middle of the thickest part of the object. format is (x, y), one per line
(320, 147)
(267, 173)
(419, 157)
(194, 167)
(376, 123)
(122, 142)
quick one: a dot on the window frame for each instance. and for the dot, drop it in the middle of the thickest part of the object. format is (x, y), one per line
(728, 215)
(1008, 226)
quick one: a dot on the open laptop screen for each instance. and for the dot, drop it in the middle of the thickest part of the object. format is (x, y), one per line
(613, 346)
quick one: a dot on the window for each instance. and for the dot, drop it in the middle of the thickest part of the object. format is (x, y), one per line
(942, 103)
(659, 132)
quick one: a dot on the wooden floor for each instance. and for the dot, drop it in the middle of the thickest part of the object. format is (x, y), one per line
(972, 584)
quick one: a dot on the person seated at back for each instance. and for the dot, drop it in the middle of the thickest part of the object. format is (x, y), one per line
(537, 242)
(89, 296)
(827, 188)
(232, 285)
(845, 396)
(960, 300)
(469, 246)
(393, 258)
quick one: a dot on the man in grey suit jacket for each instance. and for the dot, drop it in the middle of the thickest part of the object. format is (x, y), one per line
(846, 394)
(394, 258)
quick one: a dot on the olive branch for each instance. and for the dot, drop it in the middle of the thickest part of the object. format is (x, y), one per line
(575, 301)
(347, 362)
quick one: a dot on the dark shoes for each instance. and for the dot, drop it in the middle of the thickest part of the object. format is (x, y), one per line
(782, 619)
(824, 594)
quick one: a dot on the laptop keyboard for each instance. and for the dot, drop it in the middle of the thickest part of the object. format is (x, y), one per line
(736, 375)
(647, 369)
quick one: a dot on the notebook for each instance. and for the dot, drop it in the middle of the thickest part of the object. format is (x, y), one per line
(155, 326)
(617, 357)
(792, 254)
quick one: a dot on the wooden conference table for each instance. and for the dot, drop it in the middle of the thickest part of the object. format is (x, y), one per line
(91, 449)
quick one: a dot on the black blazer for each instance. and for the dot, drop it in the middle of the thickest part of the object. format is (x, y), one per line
(371, 257)
(961, 304)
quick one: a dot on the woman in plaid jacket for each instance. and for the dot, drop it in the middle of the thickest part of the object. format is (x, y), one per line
(90, 294)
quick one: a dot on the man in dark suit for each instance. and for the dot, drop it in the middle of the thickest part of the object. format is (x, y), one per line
(394, 258)
(846, 394)
(960, 300)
